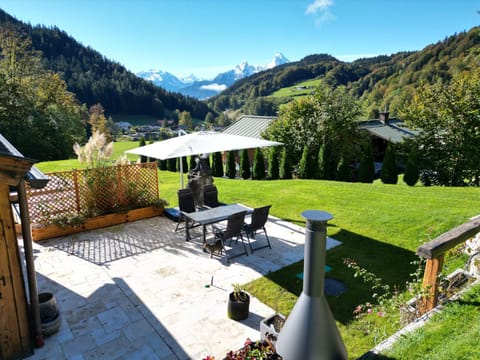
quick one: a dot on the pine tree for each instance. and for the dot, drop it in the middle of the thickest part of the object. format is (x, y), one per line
(273, 164)
(285, 171)
(343, 170)
(231, 170)
(366, 169)
(412, 174)
(245, 172)
(389, 173)
(258, 172)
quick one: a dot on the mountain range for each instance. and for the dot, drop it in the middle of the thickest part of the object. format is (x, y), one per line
(203, 89)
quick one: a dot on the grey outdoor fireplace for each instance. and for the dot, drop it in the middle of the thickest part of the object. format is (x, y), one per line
(310, 332)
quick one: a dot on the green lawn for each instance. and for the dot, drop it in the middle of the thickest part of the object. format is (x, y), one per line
(451, 334)
(300, 89)
(380, 226)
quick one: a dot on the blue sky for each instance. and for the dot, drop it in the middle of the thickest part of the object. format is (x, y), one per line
(206, 37)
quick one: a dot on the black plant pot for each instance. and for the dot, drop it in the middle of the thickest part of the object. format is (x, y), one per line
(238, 309)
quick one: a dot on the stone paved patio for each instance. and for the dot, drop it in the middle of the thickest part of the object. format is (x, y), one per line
(140, 291)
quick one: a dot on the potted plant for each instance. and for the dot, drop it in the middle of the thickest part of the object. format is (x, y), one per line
(270, 327)
(238, 303)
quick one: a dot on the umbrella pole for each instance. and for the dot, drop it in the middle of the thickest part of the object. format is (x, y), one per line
(181, 172)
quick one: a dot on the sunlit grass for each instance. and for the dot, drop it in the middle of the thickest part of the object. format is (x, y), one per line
(380, 227)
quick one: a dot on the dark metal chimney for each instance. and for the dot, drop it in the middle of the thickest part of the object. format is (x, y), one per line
(310, 332)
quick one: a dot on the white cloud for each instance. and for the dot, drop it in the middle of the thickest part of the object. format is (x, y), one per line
(320, 9)
(214, 87)
(318, 5)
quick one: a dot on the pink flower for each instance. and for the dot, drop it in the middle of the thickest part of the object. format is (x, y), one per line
(369, 311)
(381, 313)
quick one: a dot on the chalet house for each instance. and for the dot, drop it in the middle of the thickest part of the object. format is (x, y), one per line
(250, 126)
(385, 130)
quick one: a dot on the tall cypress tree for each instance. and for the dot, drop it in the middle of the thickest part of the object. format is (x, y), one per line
(273, 163)
(163, 164)
(172, 164)
(217, 165)
(322, 172)
(412, 174)
(231, 170)
(389, 174)
(343, 170)
(258, 172)
(143, 159)
(366, 170)
(245, 172)
(285, 171)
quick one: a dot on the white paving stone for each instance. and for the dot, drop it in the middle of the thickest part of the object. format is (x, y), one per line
(140, 291)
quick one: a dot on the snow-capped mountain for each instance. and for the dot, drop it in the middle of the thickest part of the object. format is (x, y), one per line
(203, 89)
(163, 79)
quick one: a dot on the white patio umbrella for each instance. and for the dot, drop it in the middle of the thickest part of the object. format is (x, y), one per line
(203, 142)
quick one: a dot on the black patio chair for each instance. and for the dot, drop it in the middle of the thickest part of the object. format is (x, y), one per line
(233, 230)
(257, 223)
(210, 196)
(186, 204)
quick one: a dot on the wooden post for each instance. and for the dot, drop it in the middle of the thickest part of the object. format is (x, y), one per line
(77, 192)
(433, 268)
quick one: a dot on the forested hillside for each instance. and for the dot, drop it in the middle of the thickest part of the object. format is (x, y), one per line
(96, 79)
(379, 82)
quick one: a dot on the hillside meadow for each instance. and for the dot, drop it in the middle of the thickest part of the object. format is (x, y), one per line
(380, 227)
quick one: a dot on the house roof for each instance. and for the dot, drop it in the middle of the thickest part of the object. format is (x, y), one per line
(249, 125)
(394, 130)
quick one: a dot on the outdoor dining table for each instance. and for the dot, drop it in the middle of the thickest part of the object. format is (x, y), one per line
(212, 216)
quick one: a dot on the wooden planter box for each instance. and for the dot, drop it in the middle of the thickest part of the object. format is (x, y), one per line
(52, 231)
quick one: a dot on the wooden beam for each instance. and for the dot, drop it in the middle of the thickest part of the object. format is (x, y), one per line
(450, 239)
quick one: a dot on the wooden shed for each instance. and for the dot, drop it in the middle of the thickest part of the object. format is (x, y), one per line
(15, 334)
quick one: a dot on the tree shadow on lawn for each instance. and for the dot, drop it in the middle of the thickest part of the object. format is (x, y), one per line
(390, 263)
